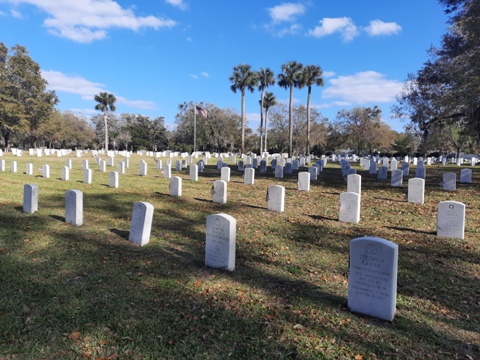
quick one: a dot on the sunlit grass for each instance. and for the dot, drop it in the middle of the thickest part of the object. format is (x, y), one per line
(87, 292)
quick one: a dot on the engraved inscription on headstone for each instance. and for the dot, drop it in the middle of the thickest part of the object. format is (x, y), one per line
(372, 281)
(220, 241)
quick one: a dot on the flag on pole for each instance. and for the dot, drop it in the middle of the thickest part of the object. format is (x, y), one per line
(201, 111)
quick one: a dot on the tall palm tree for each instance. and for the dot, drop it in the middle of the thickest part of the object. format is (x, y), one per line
(268, 101)
(311, 75)
(291, 77)
(266, 77)
(105, 102)
(243, 78)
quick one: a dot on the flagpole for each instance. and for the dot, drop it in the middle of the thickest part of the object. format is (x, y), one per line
(194, 127)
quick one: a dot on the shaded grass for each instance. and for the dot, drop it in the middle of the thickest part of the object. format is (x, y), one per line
(88, 293)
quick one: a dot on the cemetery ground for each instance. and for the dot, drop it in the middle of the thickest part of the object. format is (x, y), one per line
(87, 292)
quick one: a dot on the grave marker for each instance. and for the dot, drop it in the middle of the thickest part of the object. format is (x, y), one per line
(372, 280)
(219, 191)
(220, 241)
(74, 207)
(451, 219)
(113, 179)
(416, 190)
(141, 225)
(276, 198)
(30, 198)
(65, 173)
(304, 181)
(349, 207)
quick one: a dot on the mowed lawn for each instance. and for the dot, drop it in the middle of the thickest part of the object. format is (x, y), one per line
(88, 293)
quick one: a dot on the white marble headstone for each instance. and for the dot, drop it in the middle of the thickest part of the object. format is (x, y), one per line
(349, 207)
(304, 181)
(176, 186)
(74, 207)
(30, 198)
(276, 198)
(372, 280)
(141, 225)
(451, 219)
(220, 242)
(416, 190)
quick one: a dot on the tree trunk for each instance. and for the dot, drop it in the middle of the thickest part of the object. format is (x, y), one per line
(308, 119)
(243, 122)
(261, 122)
(290, 123)
(266, 128)
(106, 129)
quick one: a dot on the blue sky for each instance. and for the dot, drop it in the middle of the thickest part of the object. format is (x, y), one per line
(156, 54)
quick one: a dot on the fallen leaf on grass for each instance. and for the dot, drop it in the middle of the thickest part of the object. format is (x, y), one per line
(74, 335)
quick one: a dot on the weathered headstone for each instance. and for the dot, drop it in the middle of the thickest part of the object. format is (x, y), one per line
(349, 207)
(29, 170)
(372, 280)
(219, 191)
(288, 168)
(249, 176)
(382, 173)
(220, 242)
(312, 170)
(176, 186)
(46, 171)
(225, 174)
(354, 183)
(451, 219)
(65, 173)
(279, 171)
(416, 190)
(276, 198)
(263, 166)
(143, 168)
(405, 168)
(241, 166)
(466, 176)
(420, 172)
(393, 165)
(13, 167)
(87, 176)
(113, 179)
(30, 198)
(167, 171)
(141, 224)
(193, 172)
(449, 181)
(373, 167)
(396, 178)
(304, 181)
(74, 207)
(121, 167)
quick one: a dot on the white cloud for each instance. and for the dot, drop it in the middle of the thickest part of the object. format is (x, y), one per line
(16, 14)
(189, 39)
(87, 20)
(378, 27)
(363, 87)
(61, 82)
(328, 73)
(193, 76)
(205, 74)
(290, 30)
(286, 12)
(345, 26)
(253, 117)
(178, 3)
(139, 104)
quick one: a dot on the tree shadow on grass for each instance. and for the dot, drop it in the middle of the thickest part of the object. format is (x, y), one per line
(56, 217)
(124, 234)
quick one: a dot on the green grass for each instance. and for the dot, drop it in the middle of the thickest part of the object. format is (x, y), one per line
(86, 292)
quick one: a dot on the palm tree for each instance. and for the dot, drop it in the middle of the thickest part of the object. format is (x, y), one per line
(105, 102)
(311, 75)
(243, 78)
(266, 77)
(268, 101)
(289, 79)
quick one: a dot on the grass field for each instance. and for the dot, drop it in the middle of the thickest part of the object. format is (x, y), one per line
(86, 292)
